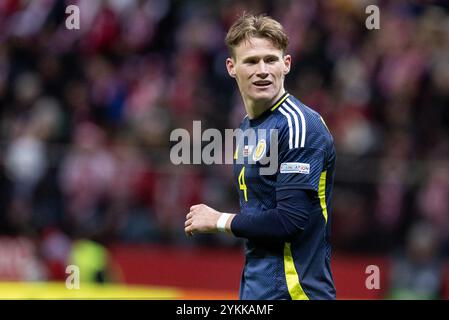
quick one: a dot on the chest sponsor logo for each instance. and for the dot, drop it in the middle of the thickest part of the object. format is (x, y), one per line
(260, 150)
(295, 167)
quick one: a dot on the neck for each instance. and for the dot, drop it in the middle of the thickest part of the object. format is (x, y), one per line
(254, 108)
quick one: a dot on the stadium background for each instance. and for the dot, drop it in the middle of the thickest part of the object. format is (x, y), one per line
(85, 120)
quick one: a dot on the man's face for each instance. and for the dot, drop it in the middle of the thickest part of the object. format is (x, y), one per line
(259, 68)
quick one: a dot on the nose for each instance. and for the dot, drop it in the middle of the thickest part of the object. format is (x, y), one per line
(262, 69)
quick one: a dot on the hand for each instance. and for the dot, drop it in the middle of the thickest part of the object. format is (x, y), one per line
(201, 218)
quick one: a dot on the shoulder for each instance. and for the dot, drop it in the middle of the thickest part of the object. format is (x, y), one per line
(301, 126)
(244, 122)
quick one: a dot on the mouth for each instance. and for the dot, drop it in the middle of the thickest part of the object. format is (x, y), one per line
(262, 83)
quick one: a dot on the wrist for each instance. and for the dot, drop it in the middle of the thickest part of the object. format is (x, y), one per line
(223, 222)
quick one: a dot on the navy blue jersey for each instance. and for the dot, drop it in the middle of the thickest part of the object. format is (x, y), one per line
(286, 217)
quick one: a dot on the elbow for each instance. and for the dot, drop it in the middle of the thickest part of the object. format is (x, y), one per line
(292, 235)
(290, 232)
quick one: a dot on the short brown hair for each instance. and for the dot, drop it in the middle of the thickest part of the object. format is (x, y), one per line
(261, 26)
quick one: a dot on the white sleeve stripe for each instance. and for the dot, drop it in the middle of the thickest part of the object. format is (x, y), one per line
(303, 122)
(289, 120)
(295, 117)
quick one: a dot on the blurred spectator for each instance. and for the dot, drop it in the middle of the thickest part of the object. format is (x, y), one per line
(433, 201)
(85, 115)
(92, 259)
(417, 273)
(87, 173)
(55, 251)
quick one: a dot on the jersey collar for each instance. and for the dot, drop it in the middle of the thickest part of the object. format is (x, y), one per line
(279, 101)
(265, 114)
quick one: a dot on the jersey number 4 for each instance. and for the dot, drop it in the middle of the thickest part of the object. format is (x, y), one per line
(242, 184)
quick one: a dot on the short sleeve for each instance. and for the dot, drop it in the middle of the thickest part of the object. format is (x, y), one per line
(301, 167)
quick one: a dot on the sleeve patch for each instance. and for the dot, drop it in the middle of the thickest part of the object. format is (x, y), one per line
(295, 167)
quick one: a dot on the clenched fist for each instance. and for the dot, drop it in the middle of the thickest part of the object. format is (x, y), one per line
(201, 218)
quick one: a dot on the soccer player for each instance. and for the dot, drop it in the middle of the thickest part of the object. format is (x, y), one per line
(285, 217)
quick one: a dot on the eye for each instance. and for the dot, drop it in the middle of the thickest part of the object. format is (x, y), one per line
(251, 61)
(271, 59)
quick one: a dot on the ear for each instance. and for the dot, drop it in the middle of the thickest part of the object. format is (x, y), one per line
(287, 63)
(230, 66)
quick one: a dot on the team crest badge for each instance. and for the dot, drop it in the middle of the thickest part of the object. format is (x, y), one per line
(260, 150)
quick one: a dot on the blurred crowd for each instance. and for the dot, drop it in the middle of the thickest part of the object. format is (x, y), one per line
(86, 115)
